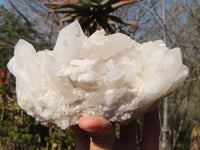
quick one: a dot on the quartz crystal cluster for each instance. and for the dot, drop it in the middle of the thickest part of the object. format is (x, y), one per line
(108, 76)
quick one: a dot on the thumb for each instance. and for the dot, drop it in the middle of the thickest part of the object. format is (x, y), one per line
(100, 130)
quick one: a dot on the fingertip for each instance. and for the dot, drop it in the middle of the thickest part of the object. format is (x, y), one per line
(94, 124)
(83, 122)
(100, 130)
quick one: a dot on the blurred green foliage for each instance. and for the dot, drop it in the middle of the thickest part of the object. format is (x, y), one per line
(18, 131)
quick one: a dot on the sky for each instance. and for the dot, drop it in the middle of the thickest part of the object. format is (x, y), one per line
(4, 3)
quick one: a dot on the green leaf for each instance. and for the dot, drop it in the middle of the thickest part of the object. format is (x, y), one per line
(64, 10)
(2, 88)
(86, 2)
(79, 7)
(107, 3)
(69, 19)
(122, 3)
(117, 19)
(97, 1)
(4, 139)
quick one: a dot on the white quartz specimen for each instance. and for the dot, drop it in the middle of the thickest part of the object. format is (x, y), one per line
(108, 76)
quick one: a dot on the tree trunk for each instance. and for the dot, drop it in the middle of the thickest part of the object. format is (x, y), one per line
(164, 144)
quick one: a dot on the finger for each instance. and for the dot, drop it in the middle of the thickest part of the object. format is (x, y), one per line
(101, 132)
(151, 131)
(81, 138)
(127, 139)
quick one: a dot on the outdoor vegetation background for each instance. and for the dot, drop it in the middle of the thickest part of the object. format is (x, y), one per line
(25, 19)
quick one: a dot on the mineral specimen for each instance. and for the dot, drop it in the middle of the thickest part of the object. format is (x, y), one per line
(108, 76)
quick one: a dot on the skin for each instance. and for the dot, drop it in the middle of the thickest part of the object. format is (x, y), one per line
(95, 133)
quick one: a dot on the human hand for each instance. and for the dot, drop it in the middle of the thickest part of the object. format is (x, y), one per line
(95, 133)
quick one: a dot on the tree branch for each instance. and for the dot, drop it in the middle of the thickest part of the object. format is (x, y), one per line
(12, 5)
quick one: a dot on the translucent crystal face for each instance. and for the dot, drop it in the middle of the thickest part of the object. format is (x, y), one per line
(108, 76)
